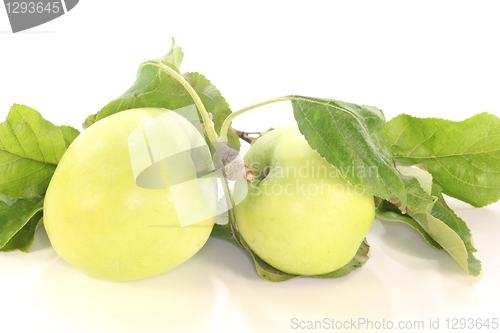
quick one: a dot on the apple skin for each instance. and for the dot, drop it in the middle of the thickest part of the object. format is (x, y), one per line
(300, 230)
(100, 221)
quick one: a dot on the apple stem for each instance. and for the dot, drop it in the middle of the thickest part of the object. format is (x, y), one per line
(227, 123)
(209, 128)
(212, 136)
(234, 167)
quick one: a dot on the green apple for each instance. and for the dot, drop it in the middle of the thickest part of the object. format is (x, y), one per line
(299, 214)
(97, 217)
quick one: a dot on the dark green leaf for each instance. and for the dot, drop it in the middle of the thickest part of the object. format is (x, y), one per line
(30, 149)
(23, 240)
(352, 139)
(155, 88)
(359, 260)
(463, 157)
(223, 231)
(267, 272)
(18, 221)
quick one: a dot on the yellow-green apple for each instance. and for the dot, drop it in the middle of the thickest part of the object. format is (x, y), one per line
(300, 215)
(98, 218)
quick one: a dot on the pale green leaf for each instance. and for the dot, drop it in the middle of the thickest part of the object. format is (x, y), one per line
(173, 58)
(444, 213)
(89, 121)
(69, 133)
(443, 235)
(463, 157)
(424, 178)
(390, 213)
(440, 227)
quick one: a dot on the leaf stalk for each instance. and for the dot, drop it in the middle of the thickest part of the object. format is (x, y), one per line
(227, 123)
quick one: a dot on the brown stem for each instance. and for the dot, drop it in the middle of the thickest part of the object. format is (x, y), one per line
(247, 136)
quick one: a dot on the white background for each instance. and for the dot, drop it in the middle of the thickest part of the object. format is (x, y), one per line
(423, 58)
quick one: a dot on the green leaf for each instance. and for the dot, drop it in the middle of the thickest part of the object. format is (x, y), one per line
(173, 58)
(463, 157)
(18, 221)
(267, 272)
(352, 139)
(444, 213)
(442, 234)
(89, 121)
(23, 240)
(438, 224)
(69, 133)
(155, 88)
(223, 231)
(30, 149)
(359, 260)
(389, 212)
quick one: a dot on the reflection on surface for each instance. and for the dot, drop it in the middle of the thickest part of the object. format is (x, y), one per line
(180, 298)
(218, 289)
